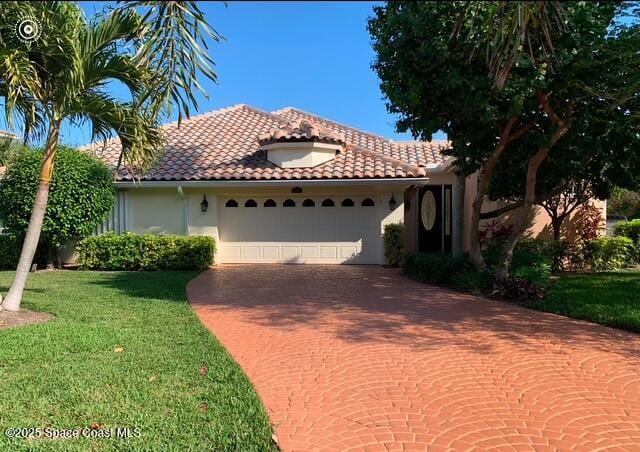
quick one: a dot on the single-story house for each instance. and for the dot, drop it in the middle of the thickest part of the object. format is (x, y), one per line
(291, 187)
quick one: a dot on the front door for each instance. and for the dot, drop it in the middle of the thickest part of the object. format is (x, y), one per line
(434, 219)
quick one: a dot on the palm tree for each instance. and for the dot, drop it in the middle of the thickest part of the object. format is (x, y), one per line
(64, 75)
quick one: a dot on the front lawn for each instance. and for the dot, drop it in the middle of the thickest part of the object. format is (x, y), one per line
(611, 298)
(125, 350)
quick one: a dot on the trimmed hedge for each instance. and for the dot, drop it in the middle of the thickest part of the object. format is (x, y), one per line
(145, 252)
(526, 283)
(610, 253)
(447, 270)
(434, 268)
(630, 229)
(393, 238)
(10, 249)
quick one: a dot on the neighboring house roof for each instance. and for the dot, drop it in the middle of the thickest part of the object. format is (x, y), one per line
(226, 145)
(5, 134)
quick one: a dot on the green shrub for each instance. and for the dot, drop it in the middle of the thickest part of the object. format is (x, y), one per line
(520, 289)
(435, 268)
(393, 238)
(629, 229)
(610, 253)
(538, 274)
(81, 197)
(478, 282)
(145, 252)
(9, 252)
(624, 202)
(529, 276)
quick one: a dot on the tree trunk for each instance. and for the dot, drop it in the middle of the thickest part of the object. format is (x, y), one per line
(14, 297)
(484, 177)
(556, 225)
(526, 214)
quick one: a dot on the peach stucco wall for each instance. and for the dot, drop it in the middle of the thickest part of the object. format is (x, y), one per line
(541, 225)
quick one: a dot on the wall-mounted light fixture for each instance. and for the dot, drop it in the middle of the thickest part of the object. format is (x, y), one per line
(392, 203)
(296, 190)
(204, 205)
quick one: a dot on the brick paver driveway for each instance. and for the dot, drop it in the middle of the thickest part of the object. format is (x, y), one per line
(359, 357)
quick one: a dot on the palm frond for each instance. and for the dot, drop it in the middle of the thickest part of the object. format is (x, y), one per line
(21, 90)
(176, 44)
(140, 135)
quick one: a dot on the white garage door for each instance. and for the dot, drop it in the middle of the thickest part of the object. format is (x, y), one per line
(300, 230)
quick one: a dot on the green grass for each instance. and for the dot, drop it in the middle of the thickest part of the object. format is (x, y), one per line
(611, 298)
(65, 373)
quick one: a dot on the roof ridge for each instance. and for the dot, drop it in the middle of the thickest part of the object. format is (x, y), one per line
(408, 142)
(266, 113)
(207, 114)
(322, 118)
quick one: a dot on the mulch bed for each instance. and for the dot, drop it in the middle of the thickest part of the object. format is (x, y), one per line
(22, 317)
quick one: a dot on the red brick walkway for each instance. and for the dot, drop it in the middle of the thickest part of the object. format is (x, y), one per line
(359, 357)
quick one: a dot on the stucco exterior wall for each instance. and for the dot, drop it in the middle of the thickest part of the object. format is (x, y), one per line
(173, 211)
(540, 226)
(170, 211)
(156, 211)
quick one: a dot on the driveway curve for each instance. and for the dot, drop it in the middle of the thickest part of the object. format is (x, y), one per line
(358, 357)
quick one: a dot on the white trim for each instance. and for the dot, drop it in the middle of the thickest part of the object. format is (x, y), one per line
(261, 183)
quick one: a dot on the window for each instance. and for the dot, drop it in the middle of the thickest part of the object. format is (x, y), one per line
(308, 203)
(348, 203)
(368, 202)
(250, 203)
(270, 203)
(328, 203)
(231, 203)
(289, 203)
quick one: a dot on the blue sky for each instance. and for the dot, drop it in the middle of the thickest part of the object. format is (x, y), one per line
(312, 55)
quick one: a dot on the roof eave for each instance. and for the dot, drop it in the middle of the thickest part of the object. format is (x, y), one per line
(270, 182)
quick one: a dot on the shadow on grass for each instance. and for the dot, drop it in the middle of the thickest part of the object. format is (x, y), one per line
(166, 286)
(370, 303)
(5, 289)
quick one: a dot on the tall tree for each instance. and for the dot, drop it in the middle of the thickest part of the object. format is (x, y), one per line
(63, 73)
(452, 66)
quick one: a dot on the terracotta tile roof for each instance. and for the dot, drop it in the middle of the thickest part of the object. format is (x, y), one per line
(300, 130)
(225, 145)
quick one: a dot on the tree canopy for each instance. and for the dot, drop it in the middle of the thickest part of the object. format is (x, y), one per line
(562, 104)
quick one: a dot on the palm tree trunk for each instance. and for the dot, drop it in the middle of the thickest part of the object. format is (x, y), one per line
(14, 297)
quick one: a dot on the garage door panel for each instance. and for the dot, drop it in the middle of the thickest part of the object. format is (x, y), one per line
(271, 252)
(289, 252)
(251, 252)
(309, 252)
(299, 234)
(329, 252)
